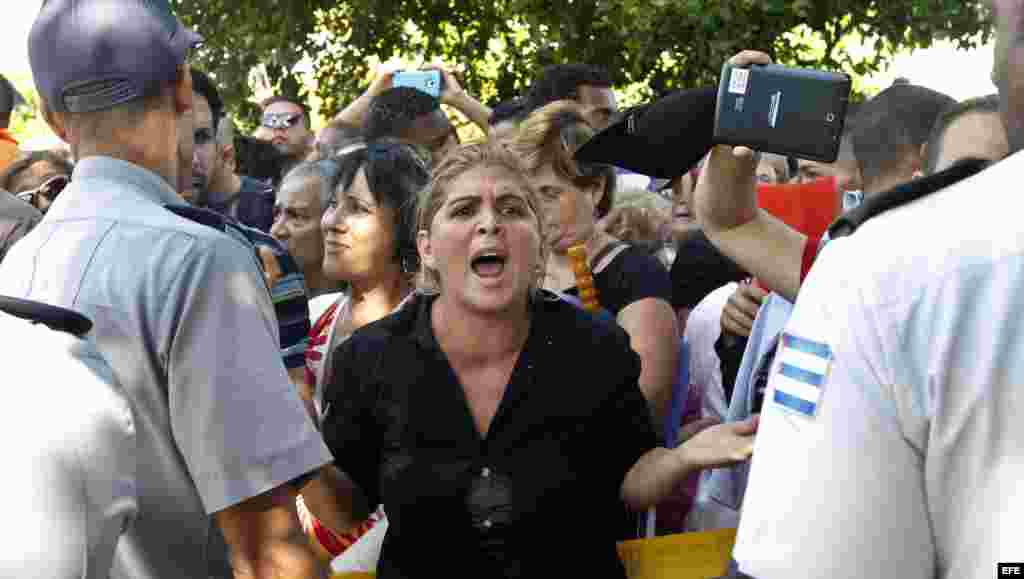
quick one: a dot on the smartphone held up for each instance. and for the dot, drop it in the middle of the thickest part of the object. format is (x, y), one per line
(776, 109)
(428, 81)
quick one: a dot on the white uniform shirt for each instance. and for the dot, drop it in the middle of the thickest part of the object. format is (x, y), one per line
(910, 460)
(68, 443)
(182, 314)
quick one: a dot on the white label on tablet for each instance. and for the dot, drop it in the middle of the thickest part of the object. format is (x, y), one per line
(738, 80)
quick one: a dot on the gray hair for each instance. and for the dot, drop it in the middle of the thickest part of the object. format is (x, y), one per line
(325, 169)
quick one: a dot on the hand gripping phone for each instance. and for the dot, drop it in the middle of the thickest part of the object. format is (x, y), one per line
(783, 110)
(428, 81)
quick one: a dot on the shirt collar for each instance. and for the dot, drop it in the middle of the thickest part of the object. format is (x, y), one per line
(147, 184)
(418, 314)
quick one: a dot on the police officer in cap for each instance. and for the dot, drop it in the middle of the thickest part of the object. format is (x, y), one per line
(180, 310)
(890, 437)
(69, 443)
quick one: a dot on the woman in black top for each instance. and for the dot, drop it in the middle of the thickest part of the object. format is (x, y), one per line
(502, 427)
(630, 283)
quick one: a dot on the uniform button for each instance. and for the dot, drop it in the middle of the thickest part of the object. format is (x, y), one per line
(486, 472)
(487, 523)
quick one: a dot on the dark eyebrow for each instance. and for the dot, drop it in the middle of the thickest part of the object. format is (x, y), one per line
(504, 197)
(454, 200)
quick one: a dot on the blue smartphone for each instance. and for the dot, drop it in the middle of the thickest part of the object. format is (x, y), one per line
(428, 81)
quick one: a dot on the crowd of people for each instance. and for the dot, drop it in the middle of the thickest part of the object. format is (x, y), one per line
(377, 348)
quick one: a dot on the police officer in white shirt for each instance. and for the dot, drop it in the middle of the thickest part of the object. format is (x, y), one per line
(68, 441)
(180, 310)
(890, 440)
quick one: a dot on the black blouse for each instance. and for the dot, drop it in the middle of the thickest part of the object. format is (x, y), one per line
(633, 275)
(539, 495)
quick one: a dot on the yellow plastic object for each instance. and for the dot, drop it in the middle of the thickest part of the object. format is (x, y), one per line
(584, 278)
(701, 555)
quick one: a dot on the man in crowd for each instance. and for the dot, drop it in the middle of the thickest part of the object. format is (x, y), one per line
(301, 202)
(217, 184)
(590, 86)
(9, 99)
(179, 309)
(413, 117)
(972, 129)
(287, 124)
(37, 177)
(890, 134)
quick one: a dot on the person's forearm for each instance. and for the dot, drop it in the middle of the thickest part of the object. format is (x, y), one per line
(356, 111)
(477, 112)
(722, 204)
(290, 558)
(333, 499)
(654, 477)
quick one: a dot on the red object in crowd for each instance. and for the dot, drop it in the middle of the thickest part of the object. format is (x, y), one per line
(807, 207)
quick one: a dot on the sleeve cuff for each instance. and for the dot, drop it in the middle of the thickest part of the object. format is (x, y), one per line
(242, 482)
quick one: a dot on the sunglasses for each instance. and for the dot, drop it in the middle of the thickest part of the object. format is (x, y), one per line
(203, 136)
(50, 189)
(281, 120)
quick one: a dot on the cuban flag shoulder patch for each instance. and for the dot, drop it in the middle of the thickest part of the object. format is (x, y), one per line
(801, 374)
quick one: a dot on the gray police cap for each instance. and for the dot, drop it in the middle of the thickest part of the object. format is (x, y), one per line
(91, 55)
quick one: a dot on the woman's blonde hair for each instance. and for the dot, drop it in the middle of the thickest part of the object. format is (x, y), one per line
(456, 163)
(552, 134)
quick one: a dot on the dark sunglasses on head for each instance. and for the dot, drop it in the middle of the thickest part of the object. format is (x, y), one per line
(203, 136)
(50, 189)
(281, 120)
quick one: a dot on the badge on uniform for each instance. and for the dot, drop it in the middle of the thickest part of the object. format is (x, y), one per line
(801, 374)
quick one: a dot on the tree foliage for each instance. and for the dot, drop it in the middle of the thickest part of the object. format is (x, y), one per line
(658, 45)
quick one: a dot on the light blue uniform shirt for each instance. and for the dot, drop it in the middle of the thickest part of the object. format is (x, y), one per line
(183, 316)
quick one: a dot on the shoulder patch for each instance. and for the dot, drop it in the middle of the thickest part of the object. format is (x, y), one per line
(801, 374)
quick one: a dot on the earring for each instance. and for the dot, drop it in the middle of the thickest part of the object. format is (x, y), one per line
(409, 264)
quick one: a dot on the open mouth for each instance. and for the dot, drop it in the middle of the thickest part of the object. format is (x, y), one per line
(488, 264)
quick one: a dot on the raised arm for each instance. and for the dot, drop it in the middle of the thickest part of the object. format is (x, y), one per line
(357, 110)
(454, 96)
(726, 208)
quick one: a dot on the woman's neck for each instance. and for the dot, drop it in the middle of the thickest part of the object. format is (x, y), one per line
(371, 301)
(318, 284)
(469, 337)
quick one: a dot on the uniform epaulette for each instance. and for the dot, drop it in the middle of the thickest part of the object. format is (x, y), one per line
(288, 294)
(209, 218)
(53, 317)
(848, 222)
